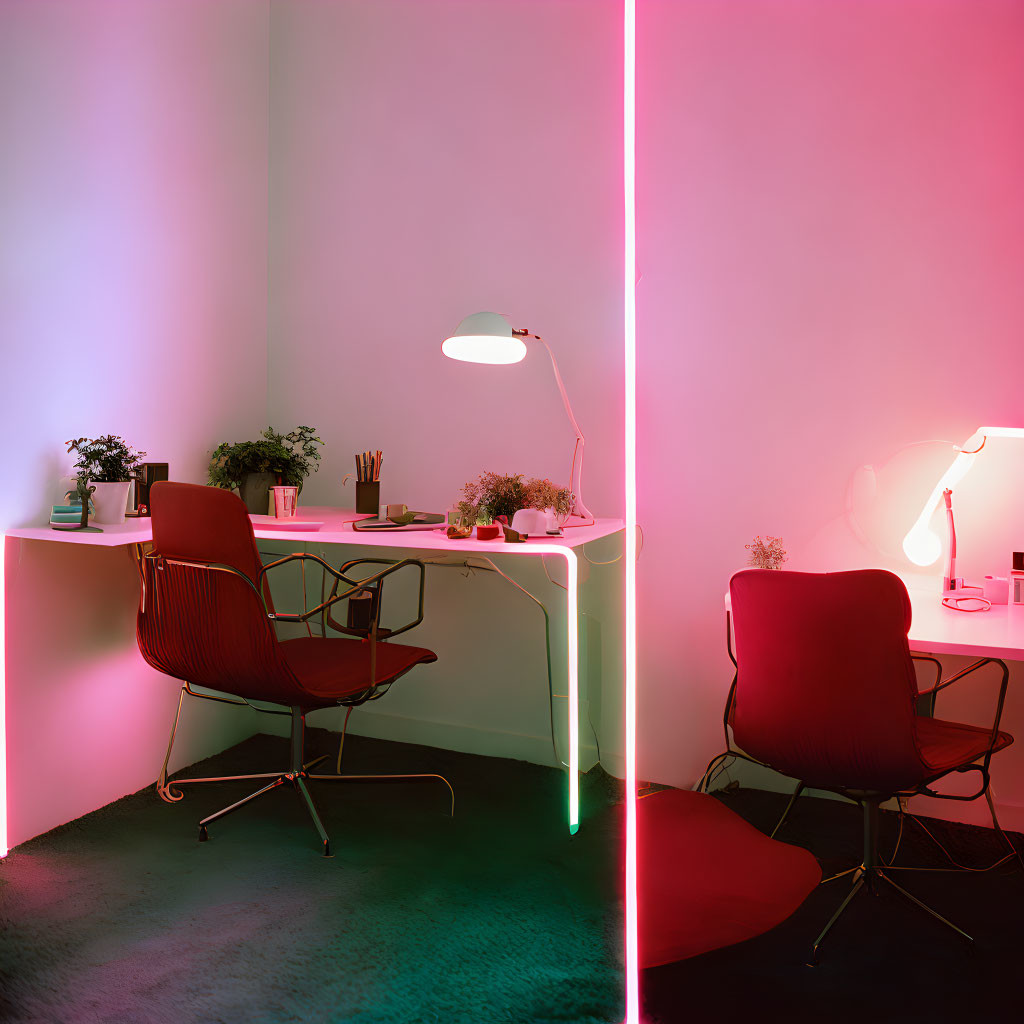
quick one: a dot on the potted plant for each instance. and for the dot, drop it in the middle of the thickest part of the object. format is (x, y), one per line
(256, 466)
(107, 464)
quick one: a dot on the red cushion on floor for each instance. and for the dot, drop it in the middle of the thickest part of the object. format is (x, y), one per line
(707, 879)
(335, 668)
(944, 745)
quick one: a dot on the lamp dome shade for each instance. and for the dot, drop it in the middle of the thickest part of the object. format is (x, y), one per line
(484, 338)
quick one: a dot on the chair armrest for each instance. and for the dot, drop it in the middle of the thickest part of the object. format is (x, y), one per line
(376, 582)
(938, 673)
(354, 586)
(973, 667)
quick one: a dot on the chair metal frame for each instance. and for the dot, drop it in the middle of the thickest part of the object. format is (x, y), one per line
(298, 771)
(872, 869)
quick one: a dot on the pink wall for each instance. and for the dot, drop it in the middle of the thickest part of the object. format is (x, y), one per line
(132, 301)
(428, 161)
(831, 237)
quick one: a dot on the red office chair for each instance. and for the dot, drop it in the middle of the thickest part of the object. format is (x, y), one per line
(206, 617)
(825, 692)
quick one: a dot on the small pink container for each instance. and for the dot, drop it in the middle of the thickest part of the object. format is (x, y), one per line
(285, 501)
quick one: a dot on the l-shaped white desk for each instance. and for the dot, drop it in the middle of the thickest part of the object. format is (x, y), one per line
(337, 530)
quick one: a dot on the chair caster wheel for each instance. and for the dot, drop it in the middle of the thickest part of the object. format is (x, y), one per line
(203, 834)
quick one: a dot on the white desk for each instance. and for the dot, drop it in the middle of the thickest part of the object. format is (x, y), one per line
(997, 633)
(337, 529)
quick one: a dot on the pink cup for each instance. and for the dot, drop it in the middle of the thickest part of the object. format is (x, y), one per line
(285, 501)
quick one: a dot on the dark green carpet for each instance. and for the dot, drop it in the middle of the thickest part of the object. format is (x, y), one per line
(497, 916)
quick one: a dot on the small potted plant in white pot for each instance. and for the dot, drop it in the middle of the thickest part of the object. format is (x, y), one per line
(108, 463)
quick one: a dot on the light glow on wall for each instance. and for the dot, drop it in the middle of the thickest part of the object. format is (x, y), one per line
(629, 331)
(922, 544)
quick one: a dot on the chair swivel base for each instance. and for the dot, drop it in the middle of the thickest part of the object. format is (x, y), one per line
(297, 775)
(298, 781)
(868, 877)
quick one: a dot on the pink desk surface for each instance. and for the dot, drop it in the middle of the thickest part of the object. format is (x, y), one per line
(337, 529)
(997, 633)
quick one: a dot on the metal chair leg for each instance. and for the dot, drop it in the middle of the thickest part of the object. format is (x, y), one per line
(995, 824)
(203, 835)
(165, 791)
(368, 778)
(785, 814)
(857, 886)
(303, 789)
(924, 906)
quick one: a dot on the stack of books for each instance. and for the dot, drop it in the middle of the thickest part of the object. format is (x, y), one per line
(67, 517)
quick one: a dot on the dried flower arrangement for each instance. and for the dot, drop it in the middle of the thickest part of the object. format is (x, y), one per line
(494, 494)
(767, 553)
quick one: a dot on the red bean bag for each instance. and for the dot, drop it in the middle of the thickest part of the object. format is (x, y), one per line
(708, 879)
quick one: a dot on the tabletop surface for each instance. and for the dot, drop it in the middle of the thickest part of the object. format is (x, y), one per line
(997, 633)
(337, 529)
(935, 629)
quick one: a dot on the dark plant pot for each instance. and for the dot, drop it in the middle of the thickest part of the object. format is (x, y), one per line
(255, 490)
(488, 532)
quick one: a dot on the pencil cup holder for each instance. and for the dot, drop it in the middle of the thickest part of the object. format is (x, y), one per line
(367, 495)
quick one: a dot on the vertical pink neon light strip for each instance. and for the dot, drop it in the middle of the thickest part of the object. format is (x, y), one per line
(3, 702)
(629, 296)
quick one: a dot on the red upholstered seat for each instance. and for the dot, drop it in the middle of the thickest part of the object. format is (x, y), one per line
(945, 745)
(826, 689)
(826, 692)
(708, 879)
(334, 669)
(206, 618)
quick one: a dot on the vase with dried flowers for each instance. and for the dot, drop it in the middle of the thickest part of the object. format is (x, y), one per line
(494, 494)
(766, 553)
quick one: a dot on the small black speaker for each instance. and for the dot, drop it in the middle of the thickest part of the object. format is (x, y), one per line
(146, 475)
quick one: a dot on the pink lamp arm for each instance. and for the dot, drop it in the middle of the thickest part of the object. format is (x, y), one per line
(575, 483)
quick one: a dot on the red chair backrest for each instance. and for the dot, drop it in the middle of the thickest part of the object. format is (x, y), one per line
(208, 626)
(825, 685)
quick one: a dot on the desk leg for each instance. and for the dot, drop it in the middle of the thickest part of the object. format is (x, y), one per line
(572, 599)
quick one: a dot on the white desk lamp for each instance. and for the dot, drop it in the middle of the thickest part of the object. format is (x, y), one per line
(921, 544)
(489, 338)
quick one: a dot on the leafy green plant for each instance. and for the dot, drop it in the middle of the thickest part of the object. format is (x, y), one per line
(106, 459)
(493, 494)
(291, 457)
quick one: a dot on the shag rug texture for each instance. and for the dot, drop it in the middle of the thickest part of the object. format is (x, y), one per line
(496, 916)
